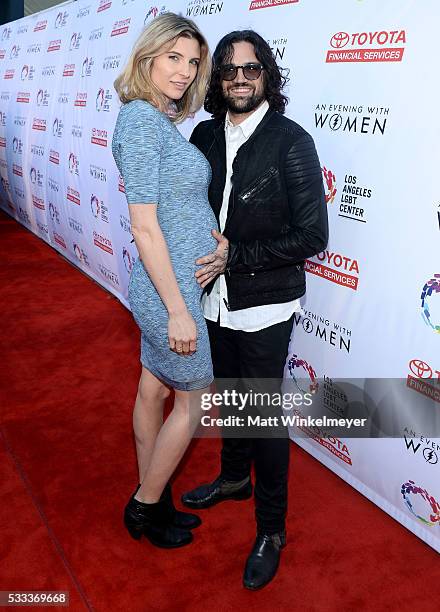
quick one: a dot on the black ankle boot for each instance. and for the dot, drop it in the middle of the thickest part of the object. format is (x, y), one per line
(185, 520)
(153, 521)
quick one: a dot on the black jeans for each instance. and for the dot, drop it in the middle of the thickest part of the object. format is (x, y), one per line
(260, 354)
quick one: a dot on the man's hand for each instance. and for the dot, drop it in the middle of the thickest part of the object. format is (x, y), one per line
(215, 263)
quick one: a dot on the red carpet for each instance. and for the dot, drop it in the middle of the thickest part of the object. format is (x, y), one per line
(69, 371)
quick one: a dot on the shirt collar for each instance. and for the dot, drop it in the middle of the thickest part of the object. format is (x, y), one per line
(249, 125)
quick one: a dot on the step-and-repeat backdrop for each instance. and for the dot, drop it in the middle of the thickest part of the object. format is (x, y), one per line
(363, 82)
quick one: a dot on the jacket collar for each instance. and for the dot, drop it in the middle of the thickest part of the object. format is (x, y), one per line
(219, 130)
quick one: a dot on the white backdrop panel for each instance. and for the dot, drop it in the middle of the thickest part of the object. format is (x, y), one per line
(373, 302)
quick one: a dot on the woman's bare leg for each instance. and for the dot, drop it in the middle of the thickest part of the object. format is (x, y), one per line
(171, 444)
(148, 417)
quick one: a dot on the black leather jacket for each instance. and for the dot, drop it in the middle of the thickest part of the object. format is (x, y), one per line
(277, 215)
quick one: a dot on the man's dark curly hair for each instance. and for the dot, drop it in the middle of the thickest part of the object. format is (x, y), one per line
(273, 79)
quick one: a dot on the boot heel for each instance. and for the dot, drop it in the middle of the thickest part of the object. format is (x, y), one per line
(135, 532)
(133, 522)
(153, 521)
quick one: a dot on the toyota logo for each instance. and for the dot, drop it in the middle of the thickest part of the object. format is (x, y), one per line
(420, 368)
(339, 40)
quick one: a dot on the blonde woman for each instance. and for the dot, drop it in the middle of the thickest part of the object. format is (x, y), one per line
(166, 183)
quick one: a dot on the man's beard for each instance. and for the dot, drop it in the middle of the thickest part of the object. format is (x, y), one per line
(245, 104)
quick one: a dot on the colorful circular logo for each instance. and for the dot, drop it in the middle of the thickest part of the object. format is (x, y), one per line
(78, 252)
(128, 260)
(100, 99)
(73, 162)
(85, 66)
(153, 12)
(95, 206)
(430, 288)
(295, 365)
(413, 496)
(330, 182)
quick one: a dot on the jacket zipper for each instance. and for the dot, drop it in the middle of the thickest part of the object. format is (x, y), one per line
(260, 185)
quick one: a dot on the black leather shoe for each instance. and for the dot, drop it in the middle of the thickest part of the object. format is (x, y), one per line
(184, 520)
(220, 490)
(152, 521)
(262, 563)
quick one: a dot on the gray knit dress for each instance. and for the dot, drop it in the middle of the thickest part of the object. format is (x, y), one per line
(160, 166)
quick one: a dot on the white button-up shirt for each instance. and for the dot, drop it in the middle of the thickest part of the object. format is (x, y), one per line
(214, 304)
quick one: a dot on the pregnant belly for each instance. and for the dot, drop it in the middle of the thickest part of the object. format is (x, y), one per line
(187, 246)
(188, 231)
(184, 256)
(183, 251)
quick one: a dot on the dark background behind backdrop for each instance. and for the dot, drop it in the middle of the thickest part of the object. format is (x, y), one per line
(11, 10)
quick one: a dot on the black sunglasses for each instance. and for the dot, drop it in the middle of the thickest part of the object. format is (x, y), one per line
(251, 71)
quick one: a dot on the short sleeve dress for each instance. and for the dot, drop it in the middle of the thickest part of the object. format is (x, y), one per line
(160, 166)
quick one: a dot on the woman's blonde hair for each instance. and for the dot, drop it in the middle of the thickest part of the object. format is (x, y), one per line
(135, 82)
